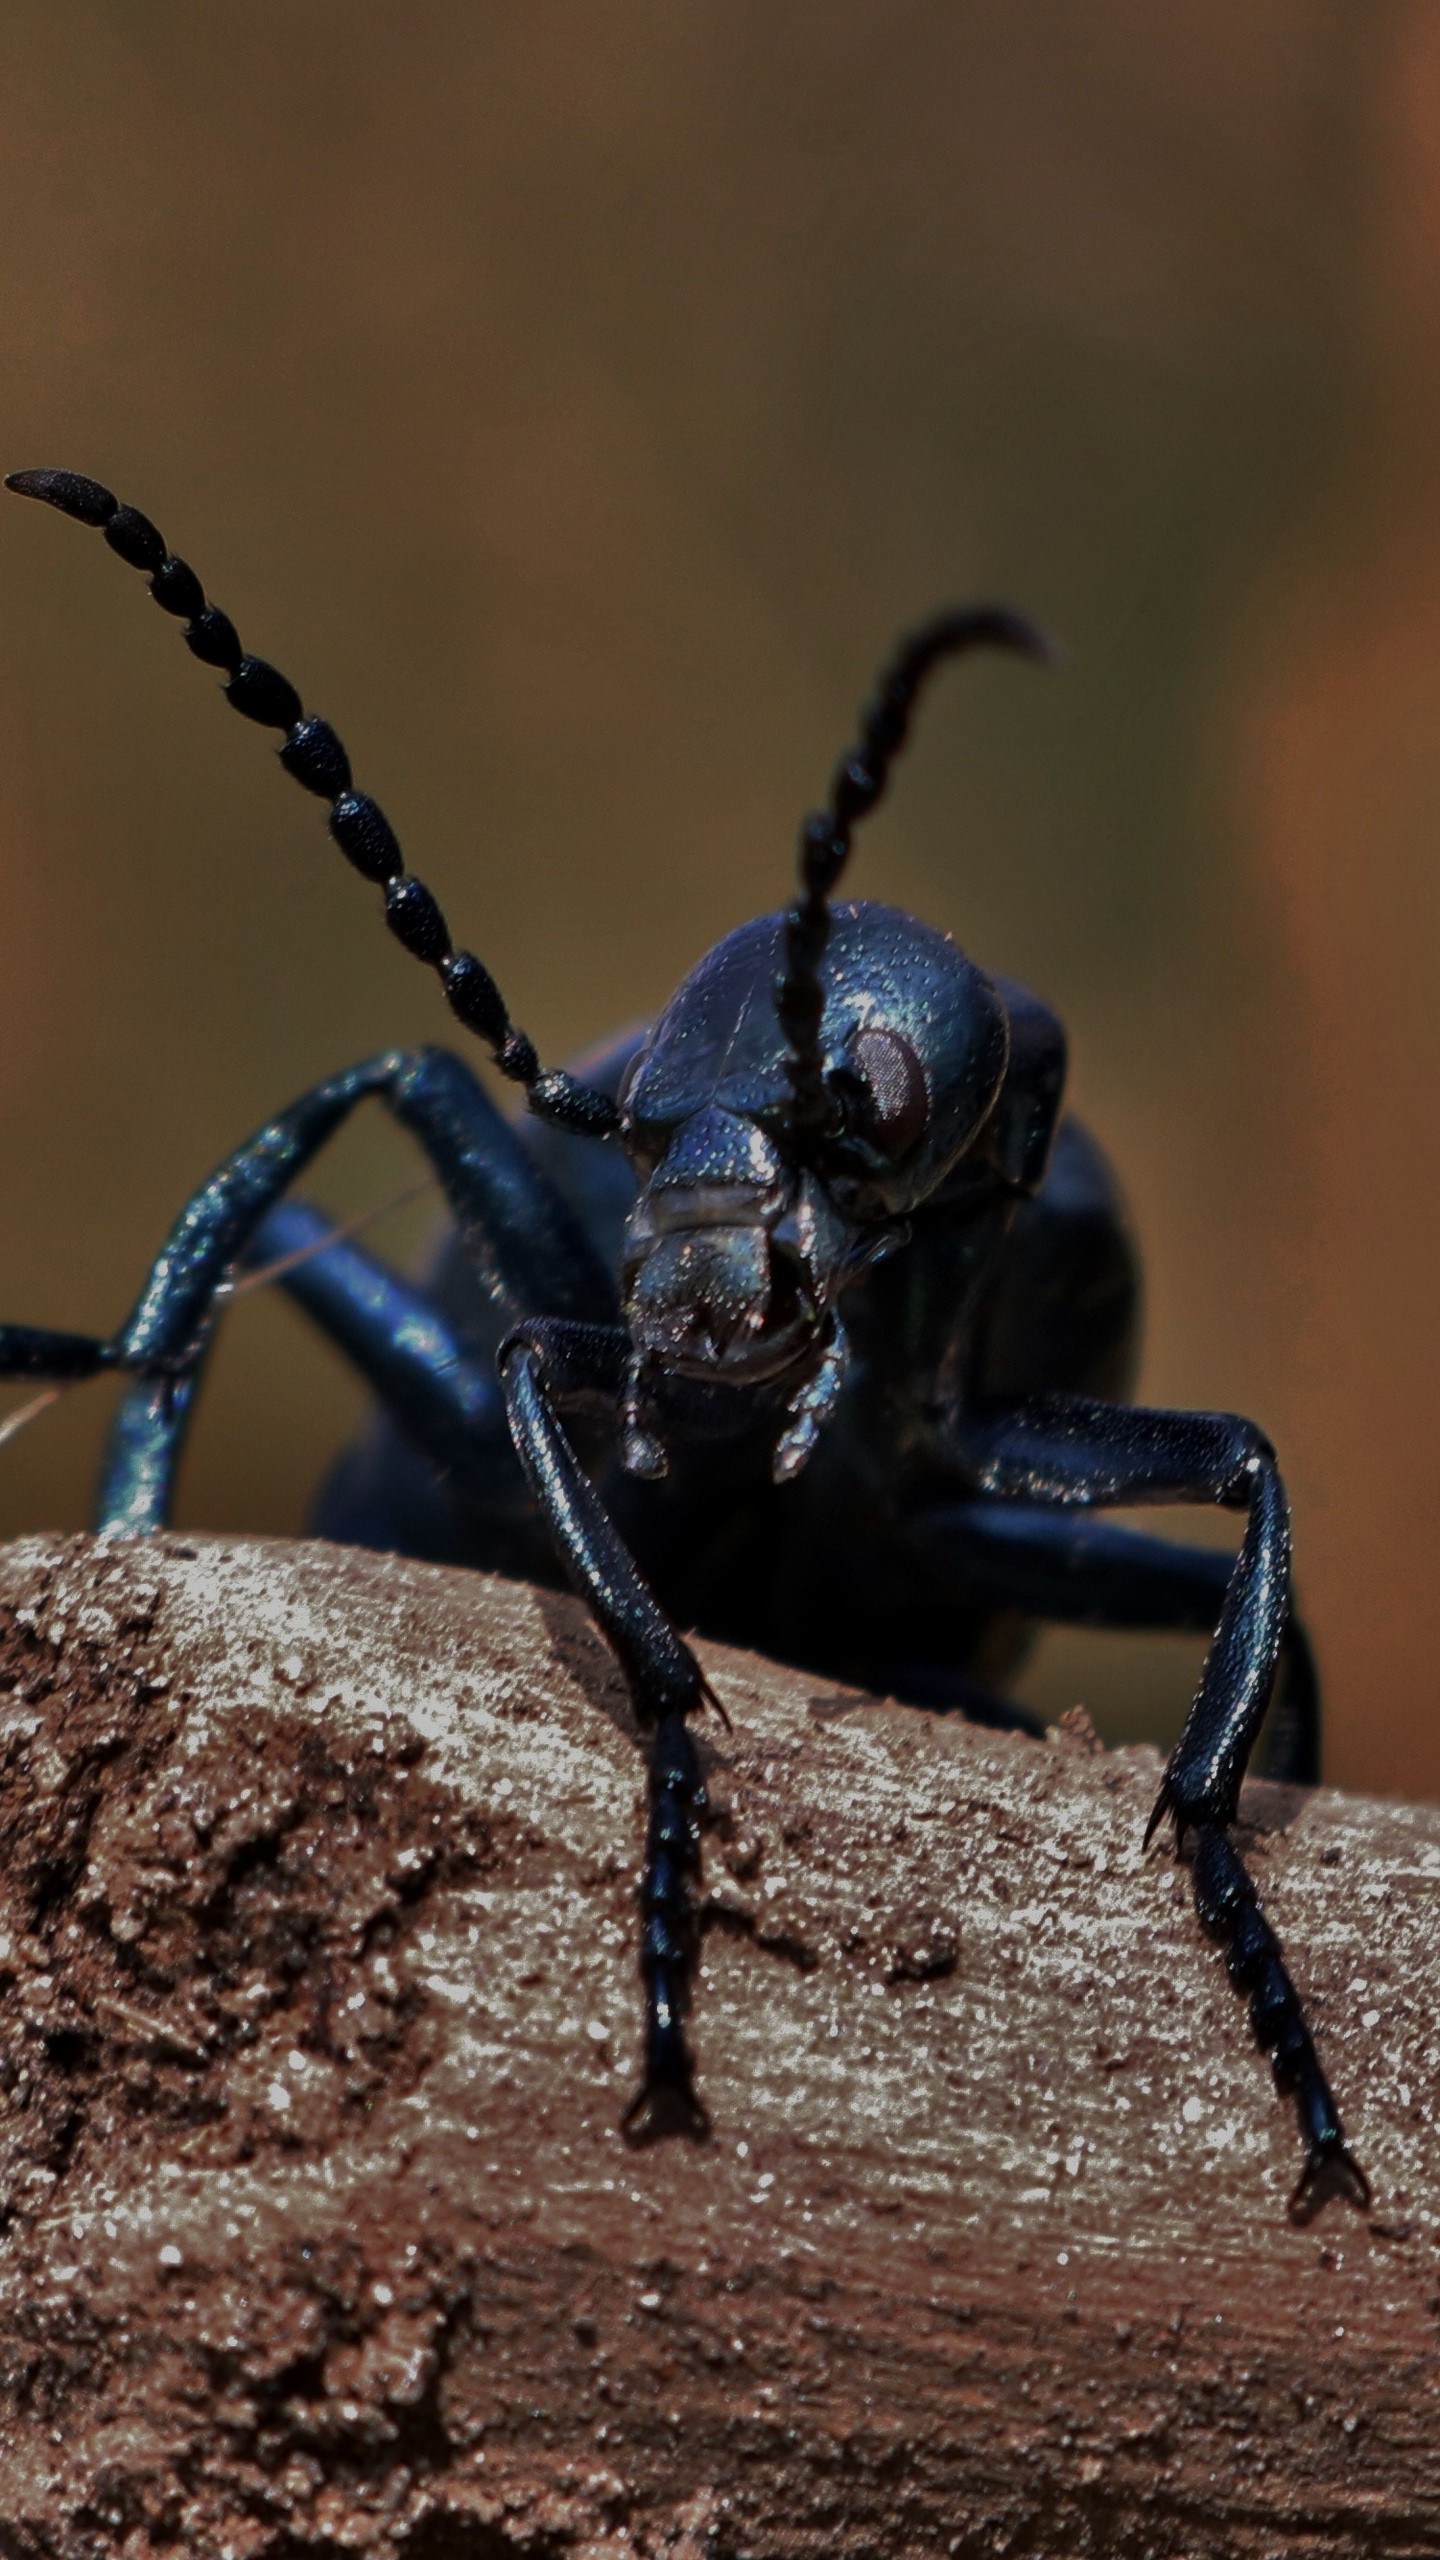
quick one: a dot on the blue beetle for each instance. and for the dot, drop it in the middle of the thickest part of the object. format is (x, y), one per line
(824, 1350)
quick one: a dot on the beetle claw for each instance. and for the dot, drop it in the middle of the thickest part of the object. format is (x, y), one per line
(663, 2107)
(1331, 2169)
(1164, 1803)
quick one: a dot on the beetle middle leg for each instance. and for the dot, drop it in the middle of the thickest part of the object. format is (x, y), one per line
(521, 1241)
(446, 1400)
(1070, 1452)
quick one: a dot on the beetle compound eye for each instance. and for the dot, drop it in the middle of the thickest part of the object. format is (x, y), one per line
(894, 1103)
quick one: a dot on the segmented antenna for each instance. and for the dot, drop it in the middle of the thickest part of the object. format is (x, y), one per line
(858, 782)
(314, 756)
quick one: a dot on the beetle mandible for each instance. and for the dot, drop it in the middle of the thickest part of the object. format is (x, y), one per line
(843, 1313)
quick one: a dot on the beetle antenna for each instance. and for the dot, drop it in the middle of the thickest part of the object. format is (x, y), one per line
(314, 756)
(858, 783)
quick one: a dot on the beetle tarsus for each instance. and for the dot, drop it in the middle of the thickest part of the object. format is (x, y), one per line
(669, 1942)
(1230, 1911)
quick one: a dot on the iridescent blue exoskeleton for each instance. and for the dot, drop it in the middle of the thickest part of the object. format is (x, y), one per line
(842, 1315)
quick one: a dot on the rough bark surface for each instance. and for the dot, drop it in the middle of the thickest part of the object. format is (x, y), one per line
(318, 2014)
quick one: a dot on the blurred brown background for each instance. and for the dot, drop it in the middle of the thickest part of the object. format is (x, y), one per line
(575, 398)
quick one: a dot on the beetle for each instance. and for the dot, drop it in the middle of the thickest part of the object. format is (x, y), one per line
(804, 1317)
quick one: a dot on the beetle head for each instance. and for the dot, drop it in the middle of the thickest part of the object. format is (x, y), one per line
(747, 1228)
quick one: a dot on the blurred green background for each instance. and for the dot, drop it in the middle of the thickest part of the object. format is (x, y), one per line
(574, 399)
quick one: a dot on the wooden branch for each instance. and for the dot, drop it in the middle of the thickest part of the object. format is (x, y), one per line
(317, 2016)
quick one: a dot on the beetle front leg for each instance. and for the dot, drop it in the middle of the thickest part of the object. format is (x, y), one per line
(1070, 1452)
(543, 1364)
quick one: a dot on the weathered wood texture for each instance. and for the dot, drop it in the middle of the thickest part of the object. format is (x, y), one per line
(318, 2013)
